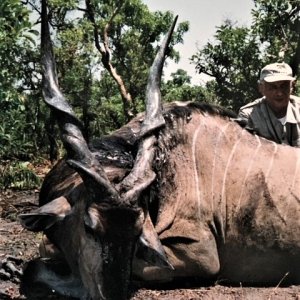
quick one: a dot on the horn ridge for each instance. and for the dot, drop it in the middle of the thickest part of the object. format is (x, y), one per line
(79, 155)
(154, 118)
(142, 175)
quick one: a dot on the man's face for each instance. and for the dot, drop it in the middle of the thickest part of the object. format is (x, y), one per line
(277, 95)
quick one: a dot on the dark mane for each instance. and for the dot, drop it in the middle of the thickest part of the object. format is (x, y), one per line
(181, 110)
(119, 148)
(213, 109)
(170, 136)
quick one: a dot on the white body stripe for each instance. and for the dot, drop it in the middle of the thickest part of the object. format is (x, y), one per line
(234, 148)
(249, 169)
(196, 175)
(271, 160)
(296, 170)
(221, 133)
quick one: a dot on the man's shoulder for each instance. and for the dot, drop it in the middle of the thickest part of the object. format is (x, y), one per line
(295, 100)
(250, 106)
(295, 107)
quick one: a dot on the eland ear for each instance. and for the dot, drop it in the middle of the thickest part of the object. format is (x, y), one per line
(36, 221)
(45, 216)
(92, 219)
(149, 247)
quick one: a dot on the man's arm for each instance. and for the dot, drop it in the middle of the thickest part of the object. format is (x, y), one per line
(242, 118)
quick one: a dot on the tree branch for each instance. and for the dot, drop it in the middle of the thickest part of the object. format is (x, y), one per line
(106, 57)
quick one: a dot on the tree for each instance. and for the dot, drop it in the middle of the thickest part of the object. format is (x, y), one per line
(181, 77)
(129, 33)
(277, 24)
(122, 38)
(233, 61)
(17, 73)
(179, 88)
(238, 53)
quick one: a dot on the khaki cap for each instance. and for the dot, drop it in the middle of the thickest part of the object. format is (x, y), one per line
(276, 72)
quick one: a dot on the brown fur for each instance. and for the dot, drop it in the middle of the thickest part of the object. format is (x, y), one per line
(245, 227)
(225, 203)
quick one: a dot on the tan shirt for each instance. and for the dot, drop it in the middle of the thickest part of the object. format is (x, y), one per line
(262, 121)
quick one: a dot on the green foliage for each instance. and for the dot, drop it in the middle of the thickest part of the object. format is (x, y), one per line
(180, 89)
(277, 24)
(15, 37)
(134, 36)
(13, 139)
(237, 54)
(106, 108)
(233, 60)
(18, 77)
(18, 175)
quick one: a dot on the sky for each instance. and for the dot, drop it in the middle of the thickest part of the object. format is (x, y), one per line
(203, 16)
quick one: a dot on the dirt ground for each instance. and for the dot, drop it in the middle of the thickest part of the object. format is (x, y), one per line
(18, 246)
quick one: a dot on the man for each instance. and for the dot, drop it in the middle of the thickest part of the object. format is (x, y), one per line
(275, 116)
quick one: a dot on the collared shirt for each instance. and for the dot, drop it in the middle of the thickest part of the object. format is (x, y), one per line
(261, 119)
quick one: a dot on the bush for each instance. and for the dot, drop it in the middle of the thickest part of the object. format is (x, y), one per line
(18, 175)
